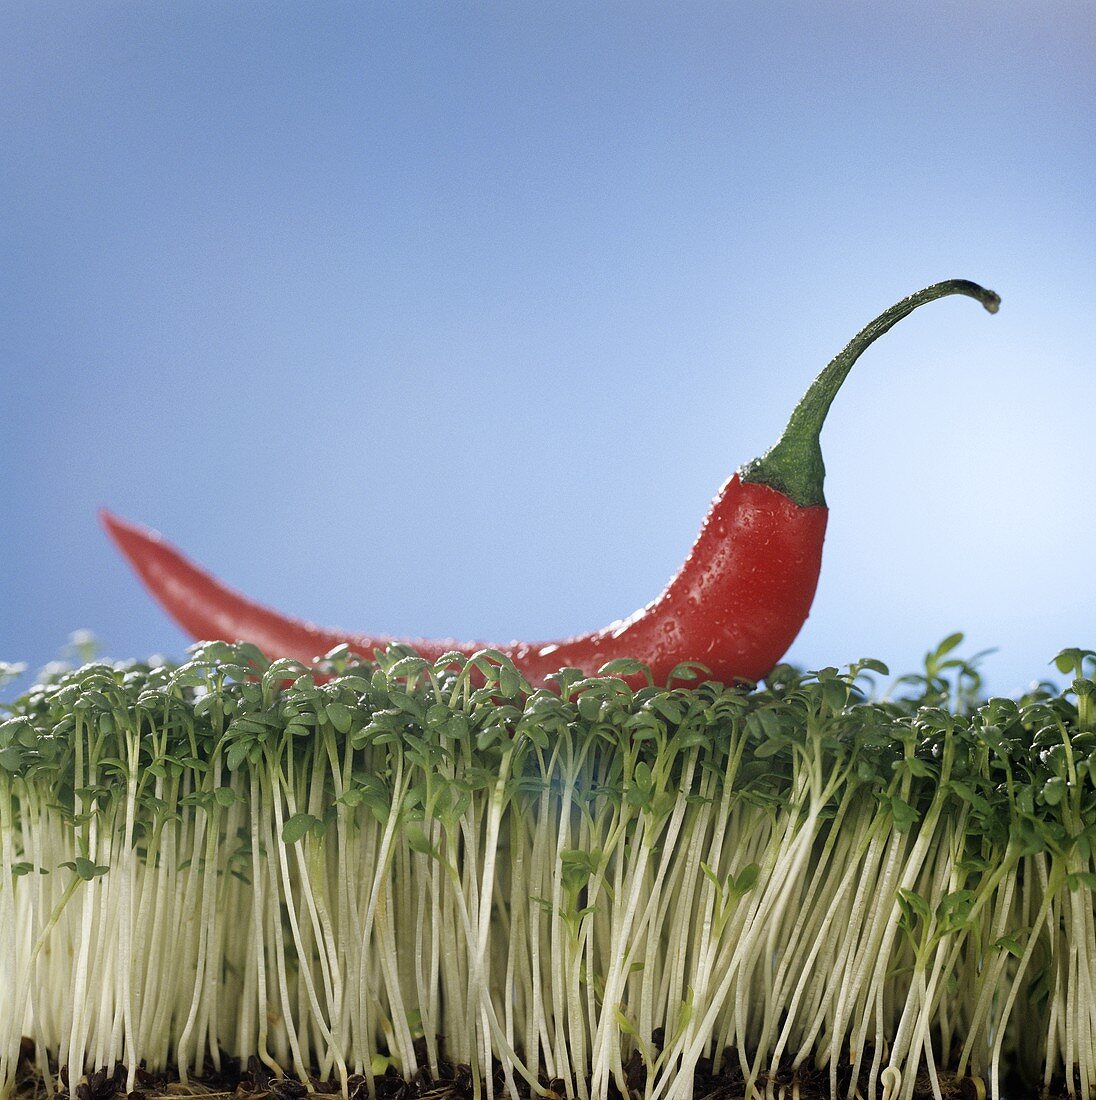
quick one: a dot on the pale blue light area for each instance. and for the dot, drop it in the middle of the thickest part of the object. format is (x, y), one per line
(450, 319)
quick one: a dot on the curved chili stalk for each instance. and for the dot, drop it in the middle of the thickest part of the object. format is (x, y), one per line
(735, 605)
(794, 465)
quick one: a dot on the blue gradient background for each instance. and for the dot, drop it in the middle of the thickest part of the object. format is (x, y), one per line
(451, 319)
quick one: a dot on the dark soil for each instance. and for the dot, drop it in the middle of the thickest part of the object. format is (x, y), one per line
(254, 1081)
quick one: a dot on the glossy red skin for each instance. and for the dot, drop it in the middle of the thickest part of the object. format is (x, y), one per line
(735, 605)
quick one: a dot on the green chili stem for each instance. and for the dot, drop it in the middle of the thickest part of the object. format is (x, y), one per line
(794, 465)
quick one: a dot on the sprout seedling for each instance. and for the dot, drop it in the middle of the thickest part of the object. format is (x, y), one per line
(587, 886)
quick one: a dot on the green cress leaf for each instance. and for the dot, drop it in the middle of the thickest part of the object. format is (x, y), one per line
(688, 671)
(237, 753)
(457, 727)
(589, 706)
(622, 667)
(951, 642)
(768, 749)
(574, 870)
(916, 767)
(669, 705)
(661, 804)
(711, 876)
(904, 815)
(1011, 944)
(835, 694)
(643, 777)
(511, 682)
(407, 667)
(11, 758)
(645, 726)
(953, 911)
(691, 738)
(565, 680)
(437, 715)
(450, 659)
(1054, 790)
(297, 827)
(746, 880)
(1072, 660)
(418, 840)
(407, 704)
(85, 868)
(13, 730)
(284, 669)
(626, 1026)
(625, 666)
(913, 907)
(340, 716)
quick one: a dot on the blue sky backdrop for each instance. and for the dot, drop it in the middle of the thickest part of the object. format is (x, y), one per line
(451, 318)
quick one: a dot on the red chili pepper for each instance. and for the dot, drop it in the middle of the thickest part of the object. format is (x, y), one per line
(735, 605)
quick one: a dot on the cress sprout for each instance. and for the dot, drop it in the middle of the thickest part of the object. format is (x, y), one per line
(568, 889)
